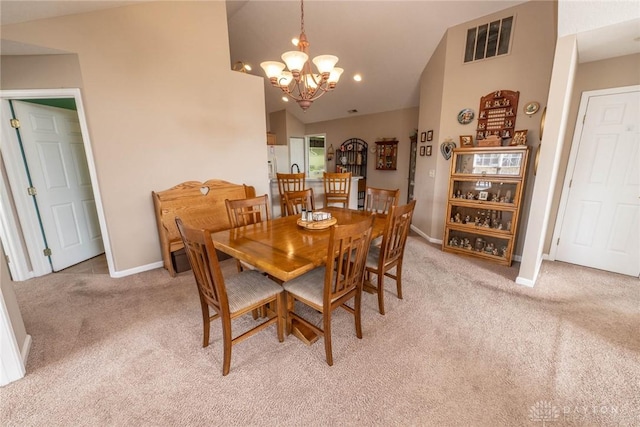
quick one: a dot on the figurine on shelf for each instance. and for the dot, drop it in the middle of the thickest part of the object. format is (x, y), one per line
(456, 217)
(503, 251)
(489, 248)
(508, 225)
(458, 194)
(467, 219)
(453, 241)
(466, 244)
(495, 197)
(470, 195)
(486, 222)
(495, 252)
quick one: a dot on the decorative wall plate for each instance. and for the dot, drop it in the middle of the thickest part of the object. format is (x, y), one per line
(466, 116)
(531, 108)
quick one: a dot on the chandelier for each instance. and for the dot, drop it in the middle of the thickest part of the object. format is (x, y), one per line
(299, 82)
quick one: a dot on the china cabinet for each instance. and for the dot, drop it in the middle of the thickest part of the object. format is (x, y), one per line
(386, 155)
(484, 201)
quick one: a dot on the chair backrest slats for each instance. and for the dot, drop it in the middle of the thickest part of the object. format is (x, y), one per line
(380, 200)
(337, 188)
(248, 211)
(289, 182)
(295, 201)
(395, 233)
(204, 264)
(348, 249)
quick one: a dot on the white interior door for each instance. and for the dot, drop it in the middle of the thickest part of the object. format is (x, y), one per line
(55, 155)
(600, 223)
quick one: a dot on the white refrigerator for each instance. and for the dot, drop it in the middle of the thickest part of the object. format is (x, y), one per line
(278, 159)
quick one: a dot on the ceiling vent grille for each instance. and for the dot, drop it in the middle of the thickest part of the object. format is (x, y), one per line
(488, 40)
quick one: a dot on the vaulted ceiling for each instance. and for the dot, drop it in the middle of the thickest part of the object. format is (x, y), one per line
(387, 42)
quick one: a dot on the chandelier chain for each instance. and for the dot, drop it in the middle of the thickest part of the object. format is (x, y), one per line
(302, 16)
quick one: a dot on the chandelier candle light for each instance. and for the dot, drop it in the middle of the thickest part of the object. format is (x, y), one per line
(299, 82)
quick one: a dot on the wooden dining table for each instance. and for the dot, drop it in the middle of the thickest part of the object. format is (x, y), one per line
(285, 250)
(282, 248)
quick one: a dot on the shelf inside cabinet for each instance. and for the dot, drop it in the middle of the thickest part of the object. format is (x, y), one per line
(481, 219)
(485, 246)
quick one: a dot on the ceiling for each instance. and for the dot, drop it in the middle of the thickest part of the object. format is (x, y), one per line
(388, 42)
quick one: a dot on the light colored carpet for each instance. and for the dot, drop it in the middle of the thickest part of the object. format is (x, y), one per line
(466, 346)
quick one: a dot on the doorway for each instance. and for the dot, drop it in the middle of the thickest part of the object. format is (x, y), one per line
(24, 243)
(597, 224)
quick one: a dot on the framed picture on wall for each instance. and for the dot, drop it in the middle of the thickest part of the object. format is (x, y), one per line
(466, 140)
(428, 151)
(430, 135)
(423, 137)
(423, 150)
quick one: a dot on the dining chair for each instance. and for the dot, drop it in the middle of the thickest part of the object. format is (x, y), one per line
(337, 188)
(340, 280)
(384, 258)
(245, 212)
(231, 298)
(380, 200)
(289, 182)
(295, 201)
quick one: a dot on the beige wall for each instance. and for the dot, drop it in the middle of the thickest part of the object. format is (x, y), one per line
(526, 69)
(278, 123)
(162, 107)
(604, 74)
(40, 71)
(8, 294)
(430, 202)
(399, 124)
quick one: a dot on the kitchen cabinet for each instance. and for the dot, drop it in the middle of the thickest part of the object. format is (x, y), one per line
(484, 201)
(386, 155)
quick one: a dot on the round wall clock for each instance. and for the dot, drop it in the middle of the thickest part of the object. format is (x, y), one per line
(531, 108)
(465, 116)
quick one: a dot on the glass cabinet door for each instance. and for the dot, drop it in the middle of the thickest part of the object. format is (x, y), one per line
(490, 163)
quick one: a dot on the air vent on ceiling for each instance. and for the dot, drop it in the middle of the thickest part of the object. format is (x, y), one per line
(488, 40)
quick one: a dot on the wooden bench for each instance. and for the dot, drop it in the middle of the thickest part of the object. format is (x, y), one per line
(198, 204)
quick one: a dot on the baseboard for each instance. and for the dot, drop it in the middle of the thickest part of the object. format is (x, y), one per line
(525, 282)
(26, 348)
(429, 239)
(136, 270)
